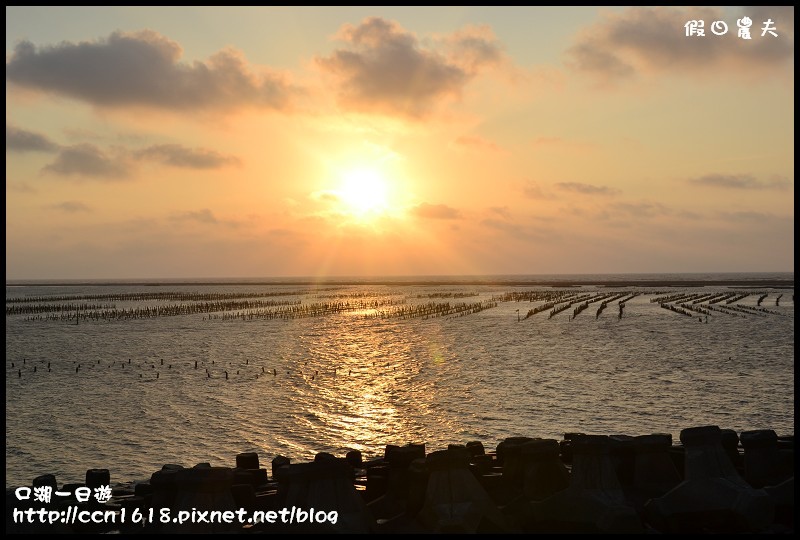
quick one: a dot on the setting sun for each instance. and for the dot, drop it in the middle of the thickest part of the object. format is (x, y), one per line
(364, 191)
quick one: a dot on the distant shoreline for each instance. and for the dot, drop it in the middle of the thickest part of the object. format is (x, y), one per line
(754, 283)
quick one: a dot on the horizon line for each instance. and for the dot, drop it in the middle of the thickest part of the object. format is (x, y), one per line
(619, 279)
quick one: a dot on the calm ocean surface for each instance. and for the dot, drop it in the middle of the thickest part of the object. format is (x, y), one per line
(332, 367)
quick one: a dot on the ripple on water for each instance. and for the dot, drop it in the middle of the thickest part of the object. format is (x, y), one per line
(482, 377)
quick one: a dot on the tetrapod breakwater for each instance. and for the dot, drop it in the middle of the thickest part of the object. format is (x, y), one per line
(711, 481)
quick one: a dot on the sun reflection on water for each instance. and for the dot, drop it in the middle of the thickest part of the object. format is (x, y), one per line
(341, 382)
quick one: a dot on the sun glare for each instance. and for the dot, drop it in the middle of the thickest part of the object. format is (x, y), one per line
(364, 191)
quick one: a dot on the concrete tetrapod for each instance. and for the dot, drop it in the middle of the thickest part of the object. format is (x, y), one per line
(594, 501)
(713, 497)
(455, 502)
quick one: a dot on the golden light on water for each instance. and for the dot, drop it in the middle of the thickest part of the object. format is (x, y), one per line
(376, 397)
(436, 355)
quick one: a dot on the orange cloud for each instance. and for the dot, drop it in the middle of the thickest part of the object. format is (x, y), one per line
(435, 211)
(643, 41)
(71, 207)
(143, 69)
(180, 156)
(586, 189)
(385, 69)
(533, 190)
(739, 181)
(20, 140)
(88, 160)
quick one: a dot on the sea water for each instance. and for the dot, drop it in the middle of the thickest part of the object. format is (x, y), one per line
(124, 393)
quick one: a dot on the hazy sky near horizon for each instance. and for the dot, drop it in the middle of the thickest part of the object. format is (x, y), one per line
(147, 142)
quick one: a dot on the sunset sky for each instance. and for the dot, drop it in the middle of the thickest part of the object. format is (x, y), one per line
(258, 141)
